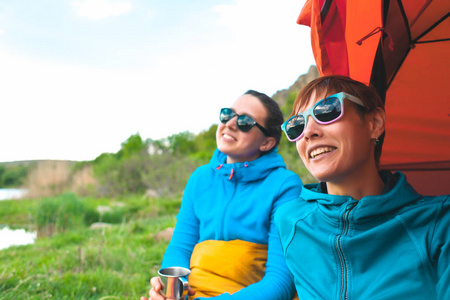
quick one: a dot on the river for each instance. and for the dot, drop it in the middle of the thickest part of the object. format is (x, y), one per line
(9, 194)
(14, 237)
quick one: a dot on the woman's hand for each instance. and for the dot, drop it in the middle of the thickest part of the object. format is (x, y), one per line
(155, 292)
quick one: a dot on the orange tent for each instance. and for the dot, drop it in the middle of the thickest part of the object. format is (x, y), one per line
(403, 49)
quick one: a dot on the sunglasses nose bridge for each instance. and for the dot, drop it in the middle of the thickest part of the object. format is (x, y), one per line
(312, 125)
(229, 123)
(311, 117)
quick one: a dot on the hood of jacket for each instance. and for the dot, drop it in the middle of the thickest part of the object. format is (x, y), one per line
(247, 171)
(399, 195)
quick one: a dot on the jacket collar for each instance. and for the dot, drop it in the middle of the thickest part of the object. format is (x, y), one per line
(249, 170)
(398, 193)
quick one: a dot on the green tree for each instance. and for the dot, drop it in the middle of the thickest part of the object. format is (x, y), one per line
(125, 171)
(13, 176)
(2, 171)
(157, 146)
(134, 144)
(287, 107)
(106, 171)
(205, 143)
(182, 143)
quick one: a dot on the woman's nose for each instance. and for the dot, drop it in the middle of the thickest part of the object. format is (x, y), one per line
(312, 129)
(232, 122)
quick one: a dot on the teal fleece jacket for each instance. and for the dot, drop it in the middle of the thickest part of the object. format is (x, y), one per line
(390, 246)
(237, 201)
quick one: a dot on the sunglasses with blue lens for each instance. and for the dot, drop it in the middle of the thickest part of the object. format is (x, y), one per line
(325, 111)
(243, 122)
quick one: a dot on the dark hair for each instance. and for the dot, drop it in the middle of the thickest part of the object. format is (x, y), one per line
(331, 84)
(274, 118)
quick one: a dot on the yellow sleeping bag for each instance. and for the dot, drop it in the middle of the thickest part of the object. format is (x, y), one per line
(219, 267)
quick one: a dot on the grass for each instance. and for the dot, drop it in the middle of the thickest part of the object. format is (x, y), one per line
(80, 263)
(17, 213)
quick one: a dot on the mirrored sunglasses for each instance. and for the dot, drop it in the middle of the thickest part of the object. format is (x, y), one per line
(325, 111)
(243, 122)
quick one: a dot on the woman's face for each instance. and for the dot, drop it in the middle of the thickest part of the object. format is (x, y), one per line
(338, 151)
(243, 146)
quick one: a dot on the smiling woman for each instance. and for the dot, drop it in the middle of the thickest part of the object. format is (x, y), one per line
(361, 222)
(225, 232)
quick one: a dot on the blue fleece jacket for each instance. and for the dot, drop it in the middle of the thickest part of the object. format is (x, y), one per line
(390, 246)
(237, 201)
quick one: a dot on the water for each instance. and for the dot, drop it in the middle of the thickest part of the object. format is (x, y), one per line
(15, 237)
(10, 194)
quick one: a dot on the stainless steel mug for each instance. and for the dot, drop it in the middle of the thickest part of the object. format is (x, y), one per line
(175, 281)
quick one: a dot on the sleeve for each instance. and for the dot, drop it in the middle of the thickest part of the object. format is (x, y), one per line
(442, 240)
(186, 233)
(277, 283)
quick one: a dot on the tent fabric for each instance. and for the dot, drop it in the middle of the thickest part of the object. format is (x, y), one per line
(402, 48)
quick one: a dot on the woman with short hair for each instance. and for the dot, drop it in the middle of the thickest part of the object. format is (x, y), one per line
(359, 233)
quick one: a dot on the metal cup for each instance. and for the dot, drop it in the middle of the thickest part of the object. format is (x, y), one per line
(175, 282)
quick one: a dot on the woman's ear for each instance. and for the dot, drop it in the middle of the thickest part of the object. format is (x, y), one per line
(377, 122)
(268, 144)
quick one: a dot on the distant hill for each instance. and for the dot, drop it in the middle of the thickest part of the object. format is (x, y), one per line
(27, 163)
(281, 95)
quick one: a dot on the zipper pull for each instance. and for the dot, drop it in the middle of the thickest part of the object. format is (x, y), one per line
(231, 175)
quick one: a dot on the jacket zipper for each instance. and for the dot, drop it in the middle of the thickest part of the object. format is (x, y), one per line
(224, 213)
(340, 252)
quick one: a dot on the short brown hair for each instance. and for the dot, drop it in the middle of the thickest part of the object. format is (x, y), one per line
(332, 84)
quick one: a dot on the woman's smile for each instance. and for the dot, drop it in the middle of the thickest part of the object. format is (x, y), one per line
(228, 137)
(321, 151)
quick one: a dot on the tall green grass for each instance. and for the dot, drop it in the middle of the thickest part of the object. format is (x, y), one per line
(76, 262)
(18, 213)
(59, 214)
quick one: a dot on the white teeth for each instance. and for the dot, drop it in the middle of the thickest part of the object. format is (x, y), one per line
(228, 136)
(319, 151)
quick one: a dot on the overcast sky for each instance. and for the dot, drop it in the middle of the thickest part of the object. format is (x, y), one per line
(78, 77)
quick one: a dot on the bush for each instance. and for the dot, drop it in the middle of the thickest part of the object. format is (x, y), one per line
(58, 214)
(114, 217)
(12, 176)
(91, 215)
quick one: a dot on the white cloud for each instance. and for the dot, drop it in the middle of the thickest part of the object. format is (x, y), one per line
(266, 38)
(101, 9)
(64, 111)
(259, 18)
(55, 110)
